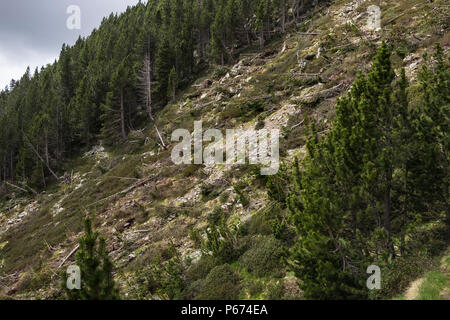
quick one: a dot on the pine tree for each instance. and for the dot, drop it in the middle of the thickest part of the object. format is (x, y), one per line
(323, 257)
(218, 46)
(434, 131)
(377, 116)
(164, 61)
(96, 268)
(66, 73)
(344, 212)
(173, 82)
(263, 15)
(115, 109)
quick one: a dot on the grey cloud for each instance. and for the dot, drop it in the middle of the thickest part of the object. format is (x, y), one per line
(32, 32)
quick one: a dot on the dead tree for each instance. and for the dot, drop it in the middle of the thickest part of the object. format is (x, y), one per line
(39, 156)
(145, 84)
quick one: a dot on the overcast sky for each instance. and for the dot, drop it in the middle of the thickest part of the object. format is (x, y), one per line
(32, 32)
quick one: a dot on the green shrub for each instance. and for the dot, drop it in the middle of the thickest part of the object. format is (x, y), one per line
(194, 289)
(222, 243)
(275, 290)
(276, 185)
(224, 197)
(257, 105)
(398, 275)
(255, 288)
(264, 258)
(276, 188)
(143, 284)
(216, 216)
(195, 236)
(40, 279)
(208, 191)
(190, 170)
(279, 226)
(200, 269)
(239, 189)
(431, 240)
(257, 224)
(259, 124)
(219, 71)
(169, 277)
(222, 283)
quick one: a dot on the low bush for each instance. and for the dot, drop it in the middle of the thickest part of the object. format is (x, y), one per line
(257, 224)
(275, 290)
(200, 269)
(263, 259)
(216, 216)
(255, 288)
(222, 243)
(398, 275)
(222, 283)
(208, 191)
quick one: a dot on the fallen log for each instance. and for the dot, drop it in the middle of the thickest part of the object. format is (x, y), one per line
(321, 95)
(17, 187)
(308, 33)
(160, 138)
(69, 255)
(297, 125)
(137, 184)
(39, 156)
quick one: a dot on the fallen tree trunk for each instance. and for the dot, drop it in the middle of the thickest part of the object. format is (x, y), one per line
(160, 138)
(17, 187)
(141, 182)
(298, 124)
(39, 156)
(69, 255)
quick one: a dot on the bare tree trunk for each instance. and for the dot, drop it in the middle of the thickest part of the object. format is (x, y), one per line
(5, 167)
(122, 117)
(293, 9)
(11, 165)
(447, 209)
(300, 4)
(174, 92)
(39, 156)
(43, 176)
(405, 212)
(283, 16)
(387, 211)
(146, 85)
(58, 133)
(47, 162)
(149, 87)
(261, 38)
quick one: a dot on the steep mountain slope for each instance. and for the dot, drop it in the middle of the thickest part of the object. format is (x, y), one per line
(145, 205)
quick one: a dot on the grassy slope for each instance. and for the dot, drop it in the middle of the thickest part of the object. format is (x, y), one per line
(434, 285)
(161, 202)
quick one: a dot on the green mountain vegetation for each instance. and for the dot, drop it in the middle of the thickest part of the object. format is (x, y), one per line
(364, 176)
